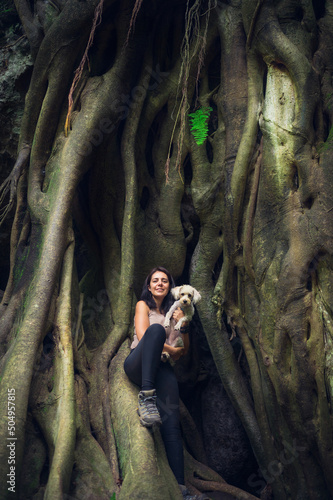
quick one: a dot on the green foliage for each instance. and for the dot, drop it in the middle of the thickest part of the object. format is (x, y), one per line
(113, 497)
(327, 100)
(328, 143)
(6, 6)
(330, 136)
(199, 124)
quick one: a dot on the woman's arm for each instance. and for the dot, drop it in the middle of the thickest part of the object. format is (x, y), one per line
(141, 319)
(175, 352)
(141, 322)
(186, 340)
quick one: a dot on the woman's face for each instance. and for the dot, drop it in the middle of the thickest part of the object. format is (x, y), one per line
(159, 286)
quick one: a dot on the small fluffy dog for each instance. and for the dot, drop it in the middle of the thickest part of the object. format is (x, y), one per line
(186, 296)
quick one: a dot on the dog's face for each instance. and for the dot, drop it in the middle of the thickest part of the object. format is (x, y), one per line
(186, 294)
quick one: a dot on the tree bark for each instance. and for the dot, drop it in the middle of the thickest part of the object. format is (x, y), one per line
(120, 186)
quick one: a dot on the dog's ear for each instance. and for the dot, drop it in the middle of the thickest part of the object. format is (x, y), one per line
(175, 292)
(196, 296)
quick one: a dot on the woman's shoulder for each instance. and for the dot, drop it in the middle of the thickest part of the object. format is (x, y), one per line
(141, 306)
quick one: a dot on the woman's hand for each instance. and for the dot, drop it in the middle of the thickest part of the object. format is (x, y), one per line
(176, 352)
(178, 314)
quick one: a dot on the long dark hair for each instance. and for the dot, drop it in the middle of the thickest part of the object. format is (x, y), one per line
(147, 297)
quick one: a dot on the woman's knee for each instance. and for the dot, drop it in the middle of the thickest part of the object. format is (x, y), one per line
(157, 332)
(132, 368)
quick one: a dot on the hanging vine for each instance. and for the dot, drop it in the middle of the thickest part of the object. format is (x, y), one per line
(78, 73)
(193, 45)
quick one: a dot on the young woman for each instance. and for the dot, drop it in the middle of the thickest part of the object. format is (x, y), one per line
(159, 396)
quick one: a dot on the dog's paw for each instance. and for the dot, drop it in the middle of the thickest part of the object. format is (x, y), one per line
(166, 323)
(165, 357)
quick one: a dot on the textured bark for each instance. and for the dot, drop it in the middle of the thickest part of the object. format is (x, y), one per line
(122, 186)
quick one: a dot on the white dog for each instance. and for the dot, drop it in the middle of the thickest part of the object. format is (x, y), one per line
(186, 296)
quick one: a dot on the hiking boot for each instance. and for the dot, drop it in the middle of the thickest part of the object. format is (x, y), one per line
(147, 411)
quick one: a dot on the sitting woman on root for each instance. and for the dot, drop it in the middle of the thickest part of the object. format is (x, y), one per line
(159, 396)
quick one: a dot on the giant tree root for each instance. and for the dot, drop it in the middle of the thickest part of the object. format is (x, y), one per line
(200, 478)
(141, 451)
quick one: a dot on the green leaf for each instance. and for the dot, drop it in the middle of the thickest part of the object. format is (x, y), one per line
(199, 123)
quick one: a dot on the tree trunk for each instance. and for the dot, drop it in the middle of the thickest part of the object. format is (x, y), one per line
(110, 181)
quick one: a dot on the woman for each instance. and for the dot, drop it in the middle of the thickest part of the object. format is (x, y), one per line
(159, 396)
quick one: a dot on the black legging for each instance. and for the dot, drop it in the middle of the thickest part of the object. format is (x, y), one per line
(144, 367)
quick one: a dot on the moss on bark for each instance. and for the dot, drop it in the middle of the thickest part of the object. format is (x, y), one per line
(245, 217)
